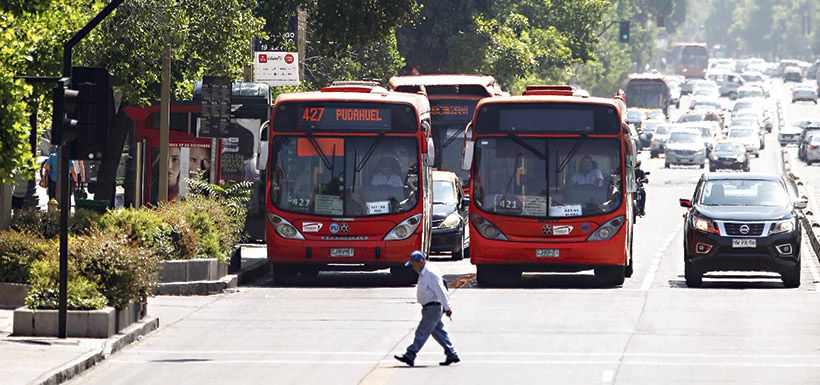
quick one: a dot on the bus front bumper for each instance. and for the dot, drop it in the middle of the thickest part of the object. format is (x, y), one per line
(532, 256)
(374, 253)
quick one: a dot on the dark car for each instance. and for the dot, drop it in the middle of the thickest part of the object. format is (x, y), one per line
(450, 223)
(741, 222)
(803, 143)
(792, 75)
(729, 155)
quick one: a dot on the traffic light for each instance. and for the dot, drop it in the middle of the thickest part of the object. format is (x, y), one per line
(623, 32)
(83, 112)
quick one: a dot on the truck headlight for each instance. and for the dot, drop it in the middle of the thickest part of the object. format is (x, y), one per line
(783, 227)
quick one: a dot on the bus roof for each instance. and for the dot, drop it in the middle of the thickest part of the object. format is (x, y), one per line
(552, 99)
(485, 81)
(358, 94)
(647, 76)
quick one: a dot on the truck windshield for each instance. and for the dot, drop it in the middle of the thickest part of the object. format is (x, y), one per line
(349, 177)
(547, 177)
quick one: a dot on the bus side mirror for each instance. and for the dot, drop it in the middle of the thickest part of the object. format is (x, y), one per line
(262, 148)
(467, 154)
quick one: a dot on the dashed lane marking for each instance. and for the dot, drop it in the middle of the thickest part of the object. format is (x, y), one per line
(656, 259)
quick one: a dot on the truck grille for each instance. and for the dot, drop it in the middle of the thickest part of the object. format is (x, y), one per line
(755, 229)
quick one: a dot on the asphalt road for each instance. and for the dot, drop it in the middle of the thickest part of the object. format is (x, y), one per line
(552, 329)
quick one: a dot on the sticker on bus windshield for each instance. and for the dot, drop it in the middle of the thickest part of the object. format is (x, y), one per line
(328, 204)
(508, 203)
(534, 206)
(380, 207)
(565, 211)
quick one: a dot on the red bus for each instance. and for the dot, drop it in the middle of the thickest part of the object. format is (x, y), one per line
(553, 184)
(349, 181)
(693, 60)
(452, 102)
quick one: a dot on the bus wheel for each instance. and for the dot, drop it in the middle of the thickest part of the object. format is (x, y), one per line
(403, 275)
(496, 276)
(610, 275)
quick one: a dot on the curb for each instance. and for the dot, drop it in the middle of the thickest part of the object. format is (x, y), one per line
(197, 287)
(785, 164)
(255, 269)
(113, 345)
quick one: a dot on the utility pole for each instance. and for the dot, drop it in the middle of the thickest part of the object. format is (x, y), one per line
(164, 122)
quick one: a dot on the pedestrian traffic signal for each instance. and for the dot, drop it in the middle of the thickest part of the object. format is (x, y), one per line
(83, 112)
(623, 34)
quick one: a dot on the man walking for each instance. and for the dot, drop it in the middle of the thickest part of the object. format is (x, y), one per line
(432, 295)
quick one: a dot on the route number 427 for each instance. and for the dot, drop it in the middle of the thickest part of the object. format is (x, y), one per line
(313, 114)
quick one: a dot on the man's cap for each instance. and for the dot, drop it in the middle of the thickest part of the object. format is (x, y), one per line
(415, 256)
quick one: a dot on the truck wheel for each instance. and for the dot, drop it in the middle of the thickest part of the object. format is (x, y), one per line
(693, 277)
(610, 275)
(791, 279)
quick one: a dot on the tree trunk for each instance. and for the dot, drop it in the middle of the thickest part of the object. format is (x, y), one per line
(107, 173)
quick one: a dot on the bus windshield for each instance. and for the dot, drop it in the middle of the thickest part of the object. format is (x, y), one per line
(646, 94)
(345, 176)
(547, 177)
(449, 117)
(694, 56)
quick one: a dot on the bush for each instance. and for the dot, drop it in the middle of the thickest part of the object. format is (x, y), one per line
(124, 271)
(18, 251)
(144, 227)
(34, 221)
(83, 221)
(83, 294)
(218, 227)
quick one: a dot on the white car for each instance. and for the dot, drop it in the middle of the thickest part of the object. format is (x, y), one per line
(749, 138)
(804, 92)
(685, 146)
(750, 92)
(659, 138)
(789, 134)
(813, 150)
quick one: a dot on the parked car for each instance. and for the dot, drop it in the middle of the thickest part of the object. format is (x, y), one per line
(748, 137)
(804, 92)
(741, 222)
(685, 146)
(729, 154)
(450, 224)
(813, 149)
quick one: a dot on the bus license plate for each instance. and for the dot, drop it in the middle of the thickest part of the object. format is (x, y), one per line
(547, 253)
(341, 252)
(744, 243)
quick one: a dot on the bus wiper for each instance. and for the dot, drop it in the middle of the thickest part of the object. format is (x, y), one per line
(452, 138)
(328, 164)
(526, 145)
(570, 155)
(357, 167)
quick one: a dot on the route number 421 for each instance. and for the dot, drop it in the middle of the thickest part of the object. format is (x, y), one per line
(313, 114)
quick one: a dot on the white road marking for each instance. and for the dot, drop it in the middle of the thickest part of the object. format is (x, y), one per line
(757, 364)
(183, 353)
(608, 377)
(656, 259)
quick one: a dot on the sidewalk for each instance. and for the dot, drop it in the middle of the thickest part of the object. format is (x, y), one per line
(49, 360)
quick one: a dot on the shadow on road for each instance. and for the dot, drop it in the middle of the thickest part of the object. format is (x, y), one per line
(732, 281)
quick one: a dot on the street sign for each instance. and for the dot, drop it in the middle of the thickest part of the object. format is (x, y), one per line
(276, 68)
(215, 116)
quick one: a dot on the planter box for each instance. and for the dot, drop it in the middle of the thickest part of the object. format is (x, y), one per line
(13, 295)
(102, 323)
(192, 270)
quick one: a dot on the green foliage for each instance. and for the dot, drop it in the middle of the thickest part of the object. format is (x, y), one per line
(18, 250)
(83, 294)
(146, 228)
(217, 227)
(35, 221)
(234, 194)
(83, 221)
(123, 270)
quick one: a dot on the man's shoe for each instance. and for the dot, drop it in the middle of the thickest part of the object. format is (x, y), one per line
(406, 360)
(450, 360)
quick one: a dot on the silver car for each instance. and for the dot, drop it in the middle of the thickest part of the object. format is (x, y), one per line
(750, 138)
(659, 138)
(686, 147)
(813, 150)
(804, 92)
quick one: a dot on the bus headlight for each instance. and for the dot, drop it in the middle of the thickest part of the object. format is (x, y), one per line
(451, 221)
(608, 230)
(782, 227)
(487, 229)
(404, 229)
(284, 228)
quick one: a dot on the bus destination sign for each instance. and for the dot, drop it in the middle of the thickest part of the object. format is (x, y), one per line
(321, 117)
(452, 110)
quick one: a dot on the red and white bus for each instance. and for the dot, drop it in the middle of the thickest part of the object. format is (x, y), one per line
(692, 61)
(553, 184)
(349, 181)
(452, 103)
